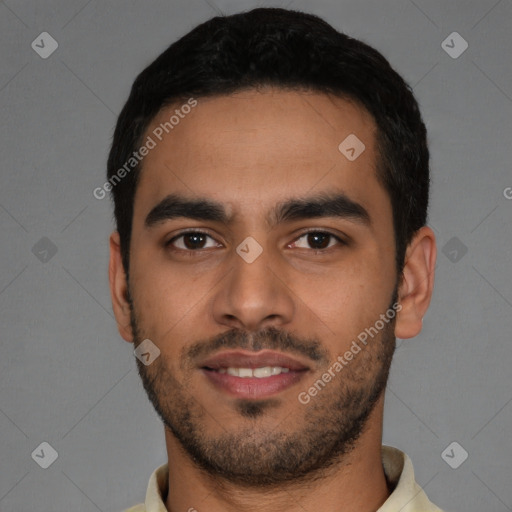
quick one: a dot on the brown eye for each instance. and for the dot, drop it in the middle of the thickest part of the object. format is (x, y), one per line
(191, 241)
(318, 240)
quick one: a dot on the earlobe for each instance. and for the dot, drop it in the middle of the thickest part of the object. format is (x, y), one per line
(119, 289)
(417, 284)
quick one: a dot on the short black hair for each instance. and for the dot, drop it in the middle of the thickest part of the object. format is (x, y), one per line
(289, 50)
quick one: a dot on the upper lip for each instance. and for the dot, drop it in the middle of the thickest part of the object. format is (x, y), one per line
(244, 359)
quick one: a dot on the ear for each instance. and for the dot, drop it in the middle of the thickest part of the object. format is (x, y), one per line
(119, 289)
(417, 284)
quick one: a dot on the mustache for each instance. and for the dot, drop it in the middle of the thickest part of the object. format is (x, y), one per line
(270, 338)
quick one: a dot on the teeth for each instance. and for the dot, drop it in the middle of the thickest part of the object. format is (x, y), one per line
(276, 370)
(245, 372)
(259, 373)
(266, 371)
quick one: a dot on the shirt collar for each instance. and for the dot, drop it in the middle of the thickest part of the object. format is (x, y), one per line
(407, 495)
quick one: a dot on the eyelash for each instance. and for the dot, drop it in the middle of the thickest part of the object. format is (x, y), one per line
(169, 243)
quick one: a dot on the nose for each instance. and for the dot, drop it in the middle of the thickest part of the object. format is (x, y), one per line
(254, 295)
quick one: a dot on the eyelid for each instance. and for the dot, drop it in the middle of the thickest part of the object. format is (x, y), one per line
(187, 232)
(340, 238)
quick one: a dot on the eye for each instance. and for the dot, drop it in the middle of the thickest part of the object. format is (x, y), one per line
(319, 240)
(191, 241)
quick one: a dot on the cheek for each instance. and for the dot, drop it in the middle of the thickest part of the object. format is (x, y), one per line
(341, 303)
(163, 297)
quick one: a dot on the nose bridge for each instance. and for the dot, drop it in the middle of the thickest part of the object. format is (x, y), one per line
(252, 296)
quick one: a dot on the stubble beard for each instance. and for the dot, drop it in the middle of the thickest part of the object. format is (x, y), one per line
(327, 428)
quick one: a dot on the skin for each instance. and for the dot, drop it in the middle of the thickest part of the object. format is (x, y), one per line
(250, 151)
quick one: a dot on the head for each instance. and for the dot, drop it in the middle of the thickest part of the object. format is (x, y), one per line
(298, 242)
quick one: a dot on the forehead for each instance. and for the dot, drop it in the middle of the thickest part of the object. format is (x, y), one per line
(260, 147)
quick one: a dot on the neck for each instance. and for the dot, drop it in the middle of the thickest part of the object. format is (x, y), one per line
(356, 483)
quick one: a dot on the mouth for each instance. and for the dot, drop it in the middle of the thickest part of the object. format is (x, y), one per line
(253, 375)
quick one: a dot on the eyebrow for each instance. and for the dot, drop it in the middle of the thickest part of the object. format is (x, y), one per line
(336, 205)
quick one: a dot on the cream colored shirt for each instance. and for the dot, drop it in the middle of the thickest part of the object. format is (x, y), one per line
(407, 495)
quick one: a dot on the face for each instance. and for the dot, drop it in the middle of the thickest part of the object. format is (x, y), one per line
(274, 253)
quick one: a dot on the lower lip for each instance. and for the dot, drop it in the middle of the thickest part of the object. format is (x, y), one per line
(253, 387)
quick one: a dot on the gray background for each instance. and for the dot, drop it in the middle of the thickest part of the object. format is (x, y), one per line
(66, 376)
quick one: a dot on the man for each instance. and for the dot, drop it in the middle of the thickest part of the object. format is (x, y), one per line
(270, 179)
